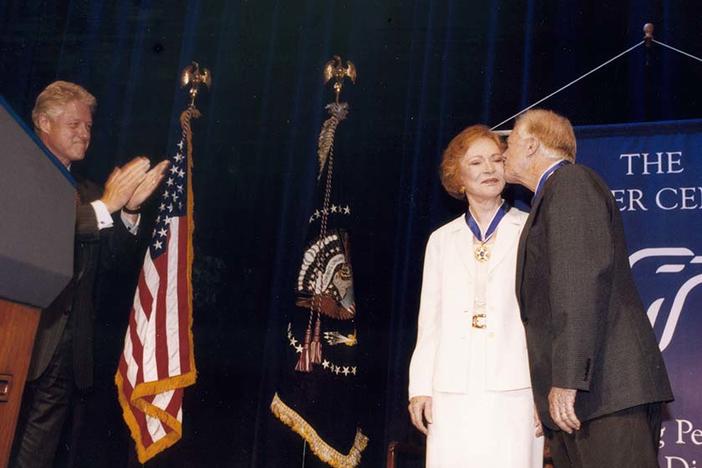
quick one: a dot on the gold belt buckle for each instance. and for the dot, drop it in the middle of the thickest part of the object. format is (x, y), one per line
(479, 321)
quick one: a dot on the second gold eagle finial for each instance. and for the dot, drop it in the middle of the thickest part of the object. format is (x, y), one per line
(194, 76)
(335, 68)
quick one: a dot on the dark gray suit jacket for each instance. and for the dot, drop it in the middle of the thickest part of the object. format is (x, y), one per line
(74, 307)
(585, 324)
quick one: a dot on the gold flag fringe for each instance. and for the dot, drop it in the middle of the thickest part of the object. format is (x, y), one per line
(322, 449)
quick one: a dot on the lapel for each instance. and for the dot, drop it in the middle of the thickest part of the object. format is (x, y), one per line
(521, 252)
(506, 234)
(81, 189)
(462, 240)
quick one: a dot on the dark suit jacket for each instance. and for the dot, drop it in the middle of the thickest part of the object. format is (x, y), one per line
(585, 324)
(73, 309)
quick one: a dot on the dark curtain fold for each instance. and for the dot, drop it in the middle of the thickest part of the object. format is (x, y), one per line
(427, 69)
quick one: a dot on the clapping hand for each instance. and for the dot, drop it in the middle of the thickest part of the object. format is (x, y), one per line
(122, 182)
(130, 185)
(143, 191)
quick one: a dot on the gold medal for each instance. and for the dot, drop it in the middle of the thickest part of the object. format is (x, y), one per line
(482, 252)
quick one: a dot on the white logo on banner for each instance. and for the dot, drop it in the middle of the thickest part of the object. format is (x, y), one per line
(686, 257)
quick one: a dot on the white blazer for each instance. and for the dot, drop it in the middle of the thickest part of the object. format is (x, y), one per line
(440, 361)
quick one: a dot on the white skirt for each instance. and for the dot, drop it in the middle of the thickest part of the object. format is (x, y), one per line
(483, 428)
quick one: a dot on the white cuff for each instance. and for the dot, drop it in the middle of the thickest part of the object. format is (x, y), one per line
(133, 228)
(104, 219)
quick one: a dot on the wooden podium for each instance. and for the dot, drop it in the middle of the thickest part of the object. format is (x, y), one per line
(37, 211)
(18, 325)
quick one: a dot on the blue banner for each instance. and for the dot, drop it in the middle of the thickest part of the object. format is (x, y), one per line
(655, 173)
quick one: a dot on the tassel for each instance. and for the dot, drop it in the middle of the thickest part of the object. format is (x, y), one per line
(316, 345)
(303, 364)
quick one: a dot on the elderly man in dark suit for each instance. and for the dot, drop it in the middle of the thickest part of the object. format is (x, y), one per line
(597, 373)
(106, 224)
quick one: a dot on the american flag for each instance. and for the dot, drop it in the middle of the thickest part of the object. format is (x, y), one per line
(158, 361)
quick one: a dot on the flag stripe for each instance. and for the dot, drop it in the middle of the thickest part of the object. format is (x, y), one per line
(176, 404)
(155, 428)
(160, 350)
(184, 306)
(137, 349)
(128, 365)
(172, 301)
(143, 300)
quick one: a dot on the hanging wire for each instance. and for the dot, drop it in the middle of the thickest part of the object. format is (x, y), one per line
(677, 50)
(592, 71)
(639, 44)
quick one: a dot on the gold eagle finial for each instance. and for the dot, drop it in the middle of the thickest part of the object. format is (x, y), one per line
(193, 76)
(335, 68)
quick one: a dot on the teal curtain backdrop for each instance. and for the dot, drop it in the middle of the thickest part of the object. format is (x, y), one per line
(426, 70)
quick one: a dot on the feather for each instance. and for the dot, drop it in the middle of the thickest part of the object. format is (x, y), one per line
(351, 71)
(337, 112)
(328, 71)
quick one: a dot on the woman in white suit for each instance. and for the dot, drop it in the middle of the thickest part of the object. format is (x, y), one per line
(469, 384)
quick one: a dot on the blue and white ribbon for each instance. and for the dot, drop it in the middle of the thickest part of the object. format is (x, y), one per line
(492, 227)
(546, 175)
